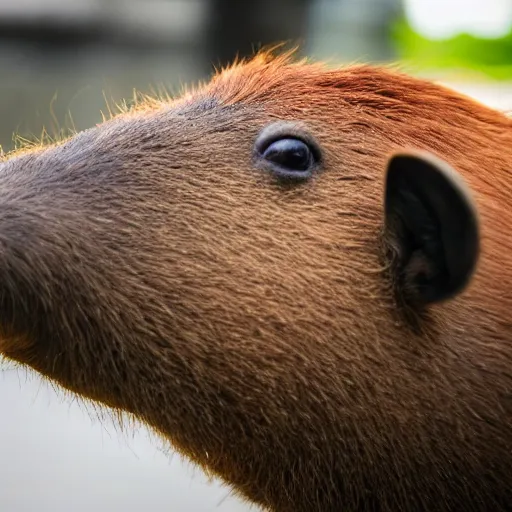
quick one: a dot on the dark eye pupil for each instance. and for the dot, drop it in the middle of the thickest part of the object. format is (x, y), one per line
(292, 154)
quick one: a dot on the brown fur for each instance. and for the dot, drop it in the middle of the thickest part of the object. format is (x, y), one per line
(147, 265)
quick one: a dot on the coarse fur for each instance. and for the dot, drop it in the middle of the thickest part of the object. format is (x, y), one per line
(148, 265)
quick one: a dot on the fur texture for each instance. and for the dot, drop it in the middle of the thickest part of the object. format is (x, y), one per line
(146, 264)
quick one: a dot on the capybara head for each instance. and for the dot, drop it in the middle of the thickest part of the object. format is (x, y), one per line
(299, 276)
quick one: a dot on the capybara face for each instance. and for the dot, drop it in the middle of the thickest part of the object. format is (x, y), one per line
(300, 277)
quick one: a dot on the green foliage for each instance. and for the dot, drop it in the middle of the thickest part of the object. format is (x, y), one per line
(492, 57)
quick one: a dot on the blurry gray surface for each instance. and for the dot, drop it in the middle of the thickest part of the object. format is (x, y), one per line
(71, 88)
(354, 30)
(108, 48)
(164, 20)
(55, 457)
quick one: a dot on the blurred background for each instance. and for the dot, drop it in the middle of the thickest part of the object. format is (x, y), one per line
(64, 62)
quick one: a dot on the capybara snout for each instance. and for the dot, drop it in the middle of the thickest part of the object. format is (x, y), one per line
(299, 276)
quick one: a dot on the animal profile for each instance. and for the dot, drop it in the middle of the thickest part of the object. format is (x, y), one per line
(299, 276)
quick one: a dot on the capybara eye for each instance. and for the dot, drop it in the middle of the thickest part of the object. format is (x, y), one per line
(288, 151)
(290, 157)
(291, 154)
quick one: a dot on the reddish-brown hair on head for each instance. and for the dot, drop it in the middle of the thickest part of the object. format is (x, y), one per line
(300, 276)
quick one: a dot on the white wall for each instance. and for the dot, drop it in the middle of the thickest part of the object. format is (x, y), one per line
(57, 456)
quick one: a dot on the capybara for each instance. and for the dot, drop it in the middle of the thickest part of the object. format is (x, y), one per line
(299, 276)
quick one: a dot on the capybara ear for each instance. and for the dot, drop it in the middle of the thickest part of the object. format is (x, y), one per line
(431, 227)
